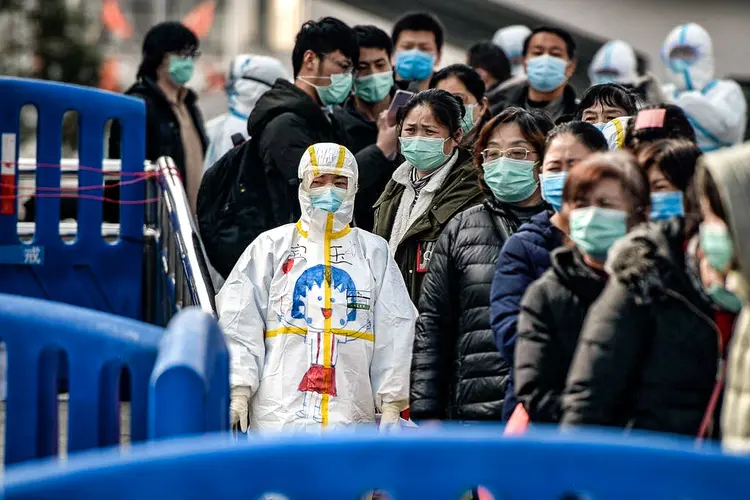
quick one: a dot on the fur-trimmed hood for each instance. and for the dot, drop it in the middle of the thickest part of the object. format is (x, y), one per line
(650, 260)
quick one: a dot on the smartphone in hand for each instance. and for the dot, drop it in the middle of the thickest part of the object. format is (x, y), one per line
(399, 99)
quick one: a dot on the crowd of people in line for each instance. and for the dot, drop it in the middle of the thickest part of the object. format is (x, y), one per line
(470, 243)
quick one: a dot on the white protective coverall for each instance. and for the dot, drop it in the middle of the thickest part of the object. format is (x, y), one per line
(511, 39)
(614, 62)
(317, 317)
(716, 108)
(249, 77)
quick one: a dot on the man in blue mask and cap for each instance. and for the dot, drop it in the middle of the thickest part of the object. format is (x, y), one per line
(418, 46)
(549, 56)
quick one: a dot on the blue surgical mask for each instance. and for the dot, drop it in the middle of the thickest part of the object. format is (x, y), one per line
(546, 73)
(724, 298)
(467, 122)
(717, 246)
(552, 188)
(327, 198)
(336, 92)
(424, 153)
(594, 230)
(374, 88)
(181, 69)
(666, 204)
(510, 180)
(414, 64)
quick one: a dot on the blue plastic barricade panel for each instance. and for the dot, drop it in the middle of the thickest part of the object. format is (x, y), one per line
(89, 272)
(189, 391)
(430, 464)
(48, 342)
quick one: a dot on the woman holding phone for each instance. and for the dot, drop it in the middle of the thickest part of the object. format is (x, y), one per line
(436, 182)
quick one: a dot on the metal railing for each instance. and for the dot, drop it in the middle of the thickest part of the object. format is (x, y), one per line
(176, 272)
(181, 253)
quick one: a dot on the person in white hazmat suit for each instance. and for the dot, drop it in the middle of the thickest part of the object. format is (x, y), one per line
(614, 62)
(511, 39)
(716, 108)
(248, 78)
(316, 314)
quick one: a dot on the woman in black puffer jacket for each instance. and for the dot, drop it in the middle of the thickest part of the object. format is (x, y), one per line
(457, 372)
(605, 196)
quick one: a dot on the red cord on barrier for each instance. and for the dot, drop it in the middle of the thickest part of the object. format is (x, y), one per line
(10, 192)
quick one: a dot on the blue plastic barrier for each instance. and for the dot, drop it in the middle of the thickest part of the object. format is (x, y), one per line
(178, 378)
(48, 342)
(189, 391)
(431, 464)
(88, 272)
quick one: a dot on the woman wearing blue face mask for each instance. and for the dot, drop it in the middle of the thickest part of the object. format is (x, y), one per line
(453, 326)
(647, 355)
(604, 197)
(526, 255)
(466, 84)
(436, 182)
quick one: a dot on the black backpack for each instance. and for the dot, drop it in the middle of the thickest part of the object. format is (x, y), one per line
(233, 206)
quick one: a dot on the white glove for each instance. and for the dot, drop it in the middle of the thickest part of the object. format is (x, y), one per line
(390, 419)
(239, 407)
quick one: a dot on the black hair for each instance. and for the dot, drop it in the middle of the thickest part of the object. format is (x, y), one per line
(419, 21)
(324, 36)
(676, 126)
(609, 94)
(585, 133)
(677, 160)
(706, 186)
(466, 74)
(570, 44)
(491, 58)
(162, 39)
(372, 37)
(447, 109)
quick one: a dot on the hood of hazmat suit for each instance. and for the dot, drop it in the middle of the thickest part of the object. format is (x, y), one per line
(614, 62)
(511, 39)
(614, 132)
(730, 170)
(248, 78)
(317, 316)
(716, 108)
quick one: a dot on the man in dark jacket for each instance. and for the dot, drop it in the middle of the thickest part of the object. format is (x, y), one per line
(550, 60)
(286, 121)
(359, 121)
(174, 125)
(289, 118)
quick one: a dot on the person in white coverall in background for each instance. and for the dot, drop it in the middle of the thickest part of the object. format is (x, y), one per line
(614, 62)
(511, 39)
(716, 108)
(249, 77)
(316, 314)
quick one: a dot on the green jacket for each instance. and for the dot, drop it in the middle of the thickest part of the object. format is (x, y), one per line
(459, 191)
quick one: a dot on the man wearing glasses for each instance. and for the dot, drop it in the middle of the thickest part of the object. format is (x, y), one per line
(174, 124)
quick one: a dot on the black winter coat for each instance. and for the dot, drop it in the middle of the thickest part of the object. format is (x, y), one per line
(648, 352)
(163, 136)
(457, 372)
(552, 314)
